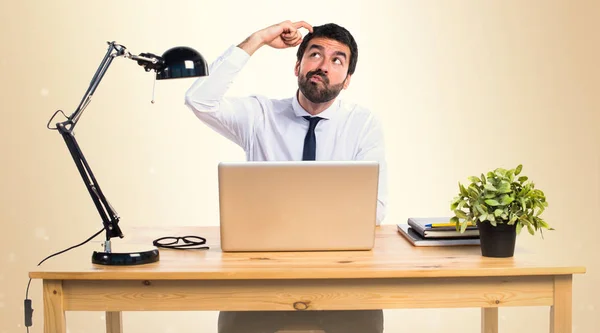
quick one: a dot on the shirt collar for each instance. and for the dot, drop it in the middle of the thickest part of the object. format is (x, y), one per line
(326, 114)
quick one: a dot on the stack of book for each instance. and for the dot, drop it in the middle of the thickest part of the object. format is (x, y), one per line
(437, 231)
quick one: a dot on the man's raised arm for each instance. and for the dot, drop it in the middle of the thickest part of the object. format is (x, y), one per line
(279, 36)
(234, 118)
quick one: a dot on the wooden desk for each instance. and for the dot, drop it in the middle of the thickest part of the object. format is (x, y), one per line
(394, 275)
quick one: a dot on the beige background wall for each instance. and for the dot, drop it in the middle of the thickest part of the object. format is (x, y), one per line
(462, 86)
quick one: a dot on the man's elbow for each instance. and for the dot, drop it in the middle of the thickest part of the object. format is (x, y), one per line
(198, 104)
(188, 100)
(193, 96)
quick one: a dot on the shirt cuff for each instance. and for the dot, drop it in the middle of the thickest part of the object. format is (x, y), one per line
(236, 56)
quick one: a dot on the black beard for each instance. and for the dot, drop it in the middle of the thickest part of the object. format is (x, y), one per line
(313, 93)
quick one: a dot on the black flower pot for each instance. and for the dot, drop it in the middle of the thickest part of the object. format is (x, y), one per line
(498, 241)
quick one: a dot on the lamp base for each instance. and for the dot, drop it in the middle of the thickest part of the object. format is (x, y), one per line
(125, 258)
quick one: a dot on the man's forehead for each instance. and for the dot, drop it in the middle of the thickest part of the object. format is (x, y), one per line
(329, 44)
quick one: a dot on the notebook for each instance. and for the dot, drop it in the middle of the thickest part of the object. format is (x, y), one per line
(415, 239)
(428, 227)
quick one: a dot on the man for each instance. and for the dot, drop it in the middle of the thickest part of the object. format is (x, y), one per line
(311, 125)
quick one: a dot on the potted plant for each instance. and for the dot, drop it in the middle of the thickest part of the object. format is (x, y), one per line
(501, 203)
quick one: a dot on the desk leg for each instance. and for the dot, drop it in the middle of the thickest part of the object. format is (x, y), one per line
(114, 324)
(489, 320)
(54, 311)
(561, 311)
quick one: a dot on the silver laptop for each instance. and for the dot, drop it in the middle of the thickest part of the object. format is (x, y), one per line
(298, 205)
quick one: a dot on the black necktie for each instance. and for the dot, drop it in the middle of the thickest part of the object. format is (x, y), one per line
(310, 142)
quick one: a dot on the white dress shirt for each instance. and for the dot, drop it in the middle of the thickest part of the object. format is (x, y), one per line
(274, 129)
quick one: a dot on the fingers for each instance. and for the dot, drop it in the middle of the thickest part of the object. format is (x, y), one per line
(284, 34)
(291, 36)
(292, 27)
(296, 42)
(302, 24)
(292, 39)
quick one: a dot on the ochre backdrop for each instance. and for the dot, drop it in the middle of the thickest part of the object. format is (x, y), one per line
(462, 86)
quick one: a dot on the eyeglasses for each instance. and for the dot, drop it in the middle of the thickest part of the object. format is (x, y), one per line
(189, 242)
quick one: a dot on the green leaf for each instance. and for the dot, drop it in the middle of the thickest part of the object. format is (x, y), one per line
(483, 179)
(504, 187)
(518, 170)
(492, 202)
(473, 194)
(522, 179)
(506, 200)
(454, 203)
(498, 212)
(490, 187)
(510, 174)
(530, 229)
(519, 227)
(480, 209)
(474, 179)
(463, 190)
(463, 226)
(540, 210)
(526, 189)
(500, 172)
(460, 214)
(543, 224)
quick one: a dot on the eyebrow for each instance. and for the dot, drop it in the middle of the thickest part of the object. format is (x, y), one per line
(321, 48)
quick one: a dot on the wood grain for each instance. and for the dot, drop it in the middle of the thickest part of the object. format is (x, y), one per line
(54, 311)
(561, 312)
(306, 295)
(392, 257)
(393, 275)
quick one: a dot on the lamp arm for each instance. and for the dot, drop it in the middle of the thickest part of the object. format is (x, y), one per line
(147, 60)
(110, 218)
(114, 50)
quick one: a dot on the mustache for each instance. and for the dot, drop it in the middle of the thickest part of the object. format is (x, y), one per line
(320, 73)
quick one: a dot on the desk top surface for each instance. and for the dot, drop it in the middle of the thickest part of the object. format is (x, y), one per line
(392, 257)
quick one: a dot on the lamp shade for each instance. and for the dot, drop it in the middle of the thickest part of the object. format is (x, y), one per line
(182, 62)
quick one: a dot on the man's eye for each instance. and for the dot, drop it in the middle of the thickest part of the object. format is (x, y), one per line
(337, 61)
(315, 54)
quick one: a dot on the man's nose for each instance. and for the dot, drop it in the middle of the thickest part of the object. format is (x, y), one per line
(324, 67)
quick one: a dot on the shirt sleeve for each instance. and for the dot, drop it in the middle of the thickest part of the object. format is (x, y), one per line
(234, 118)
(372, 148)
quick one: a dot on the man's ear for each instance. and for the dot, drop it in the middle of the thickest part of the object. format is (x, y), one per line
(347, 81)
(297, 68)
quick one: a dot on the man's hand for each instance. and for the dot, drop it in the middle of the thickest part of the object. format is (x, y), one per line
(284, 34)
(279, 36)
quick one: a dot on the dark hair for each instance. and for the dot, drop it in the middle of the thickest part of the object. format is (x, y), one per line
(335, 32)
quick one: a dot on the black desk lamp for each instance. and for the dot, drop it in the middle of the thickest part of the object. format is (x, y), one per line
(177, 62)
